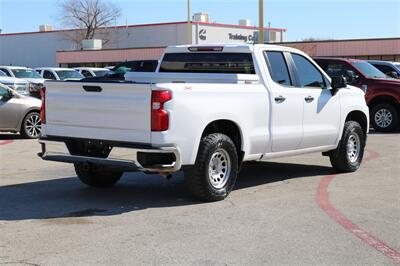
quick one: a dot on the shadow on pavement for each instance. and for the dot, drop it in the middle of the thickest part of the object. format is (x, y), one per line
(10, 136)
(67, 197)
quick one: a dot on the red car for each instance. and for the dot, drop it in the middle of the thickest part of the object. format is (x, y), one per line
(382, 93)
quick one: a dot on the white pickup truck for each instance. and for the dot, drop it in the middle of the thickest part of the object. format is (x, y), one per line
(206, 110)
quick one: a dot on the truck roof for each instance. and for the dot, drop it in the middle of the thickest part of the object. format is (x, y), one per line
(226, 48)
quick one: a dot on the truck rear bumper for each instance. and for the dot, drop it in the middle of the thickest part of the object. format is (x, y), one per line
(125, 157)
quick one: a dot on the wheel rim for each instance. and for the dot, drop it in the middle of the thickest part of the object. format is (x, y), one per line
(383, 118)
(33, 126)
(353, 148)
(219, 168)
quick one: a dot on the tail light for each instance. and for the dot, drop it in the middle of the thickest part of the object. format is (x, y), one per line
(159, 117)
(43, 106)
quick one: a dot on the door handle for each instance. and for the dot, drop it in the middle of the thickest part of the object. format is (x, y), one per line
(309, 99)
(92, 88)
(280, 99)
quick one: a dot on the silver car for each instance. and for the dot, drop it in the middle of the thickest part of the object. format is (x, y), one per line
(19, 113)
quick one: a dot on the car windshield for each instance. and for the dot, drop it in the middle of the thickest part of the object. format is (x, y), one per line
(369, 70)
(26, 73)
(2, 74)
(101, 73)
(397, 65)
(69, 74)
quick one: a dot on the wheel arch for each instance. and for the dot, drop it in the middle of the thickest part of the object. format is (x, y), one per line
(359, 117)
(384, 99)
(229, 128)
(27, 112)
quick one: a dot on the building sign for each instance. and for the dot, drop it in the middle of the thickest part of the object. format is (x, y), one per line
(241, 37)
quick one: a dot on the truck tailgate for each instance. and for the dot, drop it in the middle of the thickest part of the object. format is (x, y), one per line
(109, 111)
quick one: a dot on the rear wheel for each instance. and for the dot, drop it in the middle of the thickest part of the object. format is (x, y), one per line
(384, 117)
(214, 174)
(31, 126)
(97, 176)
(348, 155)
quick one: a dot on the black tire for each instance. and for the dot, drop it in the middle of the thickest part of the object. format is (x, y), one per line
(390, 111)
(198, 179)
(31, 126)
(97, 176)
(340, 159)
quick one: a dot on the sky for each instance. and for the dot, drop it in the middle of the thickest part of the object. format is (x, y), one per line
(321, 19)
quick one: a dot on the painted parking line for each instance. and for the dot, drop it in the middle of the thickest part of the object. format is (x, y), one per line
(5, 142)
(323, 201)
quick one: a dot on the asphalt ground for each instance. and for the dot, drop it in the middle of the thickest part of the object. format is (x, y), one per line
(293, 211)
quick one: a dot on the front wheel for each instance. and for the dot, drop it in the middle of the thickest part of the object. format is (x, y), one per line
(384, 117)
(97, 176)
(214, 174)
(349, 154)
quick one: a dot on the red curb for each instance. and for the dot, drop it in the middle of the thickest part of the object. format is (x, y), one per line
(5, 142)
(323, 201)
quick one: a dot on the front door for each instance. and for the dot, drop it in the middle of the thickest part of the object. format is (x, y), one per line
(321, 121)
(9, 110)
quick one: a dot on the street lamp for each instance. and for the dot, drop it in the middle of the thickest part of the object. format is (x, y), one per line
(189, 28)
(261, 21)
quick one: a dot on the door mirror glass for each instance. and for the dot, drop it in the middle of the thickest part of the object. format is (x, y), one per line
(350, 76)
(339, 83)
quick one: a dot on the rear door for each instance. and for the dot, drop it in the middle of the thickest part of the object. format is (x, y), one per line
(109, 111)
(287, 104)
(321, 120)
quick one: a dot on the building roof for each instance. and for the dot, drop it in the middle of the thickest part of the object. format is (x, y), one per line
(152, 25)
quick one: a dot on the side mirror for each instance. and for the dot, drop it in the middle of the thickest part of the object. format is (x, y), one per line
(393, 74)
(350, 76)
(339, 83)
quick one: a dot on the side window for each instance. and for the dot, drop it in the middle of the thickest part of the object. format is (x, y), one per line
(309, 75)
(86, 74)
(48, 75)
(6, 71)
(384, 69)
(3, 91)
(339, 68)
(278, 68)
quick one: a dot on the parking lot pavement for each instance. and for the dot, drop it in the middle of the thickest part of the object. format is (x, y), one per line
(287, 211)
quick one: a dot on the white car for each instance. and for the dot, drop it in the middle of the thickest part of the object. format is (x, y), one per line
(206, 110)
(19, 85)
(58, 73)
(89, 72)
(35, 81)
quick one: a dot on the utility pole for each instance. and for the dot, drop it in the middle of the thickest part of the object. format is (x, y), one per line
(189, 27)
(261, 21)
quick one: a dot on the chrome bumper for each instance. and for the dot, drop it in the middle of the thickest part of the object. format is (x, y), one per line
(119, 157)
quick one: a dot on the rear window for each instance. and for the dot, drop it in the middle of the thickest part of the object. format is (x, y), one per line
(222, 63)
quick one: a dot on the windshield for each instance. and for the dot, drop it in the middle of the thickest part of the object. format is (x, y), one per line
(2, 74)
(369, 70)
(69, 74)
(397, 65)
(26, 73)
(101, 73)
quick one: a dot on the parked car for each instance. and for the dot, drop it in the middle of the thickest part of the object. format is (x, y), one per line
(28, 74)
(58, 73)
(19, 85)
(19, 113)
(119, 71)
(382, 94)
(89, 72)
(389, 68)
(205, 111)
